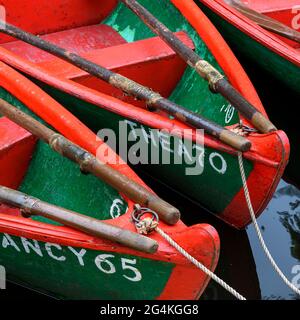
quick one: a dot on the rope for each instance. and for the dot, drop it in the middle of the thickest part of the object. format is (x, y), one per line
(148, 225)
(259, 234)
(200, 265)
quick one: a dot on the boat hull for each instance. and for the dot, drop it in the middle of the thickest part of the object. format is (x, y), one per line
(69, 264)
(262, 53)
(219, 168)
(74, 272)
(100, 106)
(275, 74)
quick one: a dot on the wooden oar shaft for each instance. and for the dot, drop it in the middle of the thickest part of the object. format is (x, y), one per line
(266, 22)
(90, 164)
(132, 88)
(91, 226)
(217, 82)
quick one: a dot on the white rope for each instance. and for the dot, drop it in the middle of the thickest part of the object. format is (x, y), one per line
(147, 225)
(259, 234)
(199, 265)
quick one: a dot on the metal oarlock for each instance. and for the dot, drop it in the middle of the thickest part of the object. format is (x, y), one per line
(33, 206)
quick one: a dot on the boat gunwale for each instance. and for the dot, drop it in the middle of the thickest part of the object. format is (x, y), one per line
(41, 231)
(34, 70)
(257, 33)
(125, 109)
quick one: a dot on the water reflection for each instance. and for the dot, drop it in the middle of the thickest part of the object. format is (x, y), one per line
(242, 262)
(280, 225)
(236, 266)
(290, 218)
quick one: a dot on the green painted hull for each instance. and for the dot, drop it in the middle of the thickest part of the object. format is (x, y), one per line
(220, 168)
(76, 273)
(58, 181)
(203, 188)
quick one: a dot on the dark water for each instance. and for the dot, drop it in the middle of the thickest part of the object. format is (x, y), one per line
(242, 263)
(281, 229)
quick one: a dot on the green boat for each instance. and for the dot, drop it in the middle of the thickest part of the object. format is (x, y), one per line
(271, 58)
(108, 33)
(67, 263)
(275, 54)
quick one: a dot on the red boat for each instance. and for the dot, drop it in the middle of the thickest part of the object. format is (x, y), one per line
(268, 50)
(111, 35)
(62, 262)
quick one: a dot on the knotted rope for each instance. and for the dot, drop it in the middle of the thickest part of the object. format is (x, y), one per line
(148, 225)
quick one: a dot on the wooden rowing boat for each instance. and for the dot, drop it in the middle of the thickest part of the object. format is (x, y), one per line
(272, 60)
(274, 53)
(60, 261)
(111, 35)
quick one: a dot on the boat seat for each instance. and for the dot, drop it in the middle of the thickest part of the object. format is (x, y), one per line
(104, 46)
(16, 149)
(79, 40)
(48, 16)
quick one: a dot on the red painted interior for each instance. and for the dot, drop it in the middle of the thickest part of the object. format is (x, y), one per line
(150, 62)
(268, 39)
(287, 12)
(264, 6)
(138, 60)
(16, 148)
(44, 16)
(200, 240)
(78, 40)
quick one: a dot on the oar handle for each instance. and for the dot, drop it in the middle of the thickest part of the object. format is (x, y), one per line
(129, 86)
(90, 164)
(88, 225)
(228, 137)
(259, 121)
(216, 80)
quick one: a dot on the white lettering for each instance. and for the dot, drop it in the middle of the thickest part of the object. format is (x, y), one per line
(79, 255)
(212, 161)
(49, 247)
(8, 241)
(34, 245)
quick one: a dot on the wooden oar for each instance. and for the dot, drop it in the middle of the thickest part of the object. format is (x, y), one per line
(90, 164)
(265, 22)
(217, 82)
(33, 206)
(132, 88)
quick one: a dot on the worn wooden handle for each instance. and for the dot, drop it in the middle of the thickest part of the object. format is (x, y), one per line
(152, 99)
(90, 164)
(216, 80)
(91, 226)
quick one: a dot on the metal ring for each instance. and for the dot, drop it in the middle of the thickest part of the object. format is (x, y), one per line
(139, 212)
